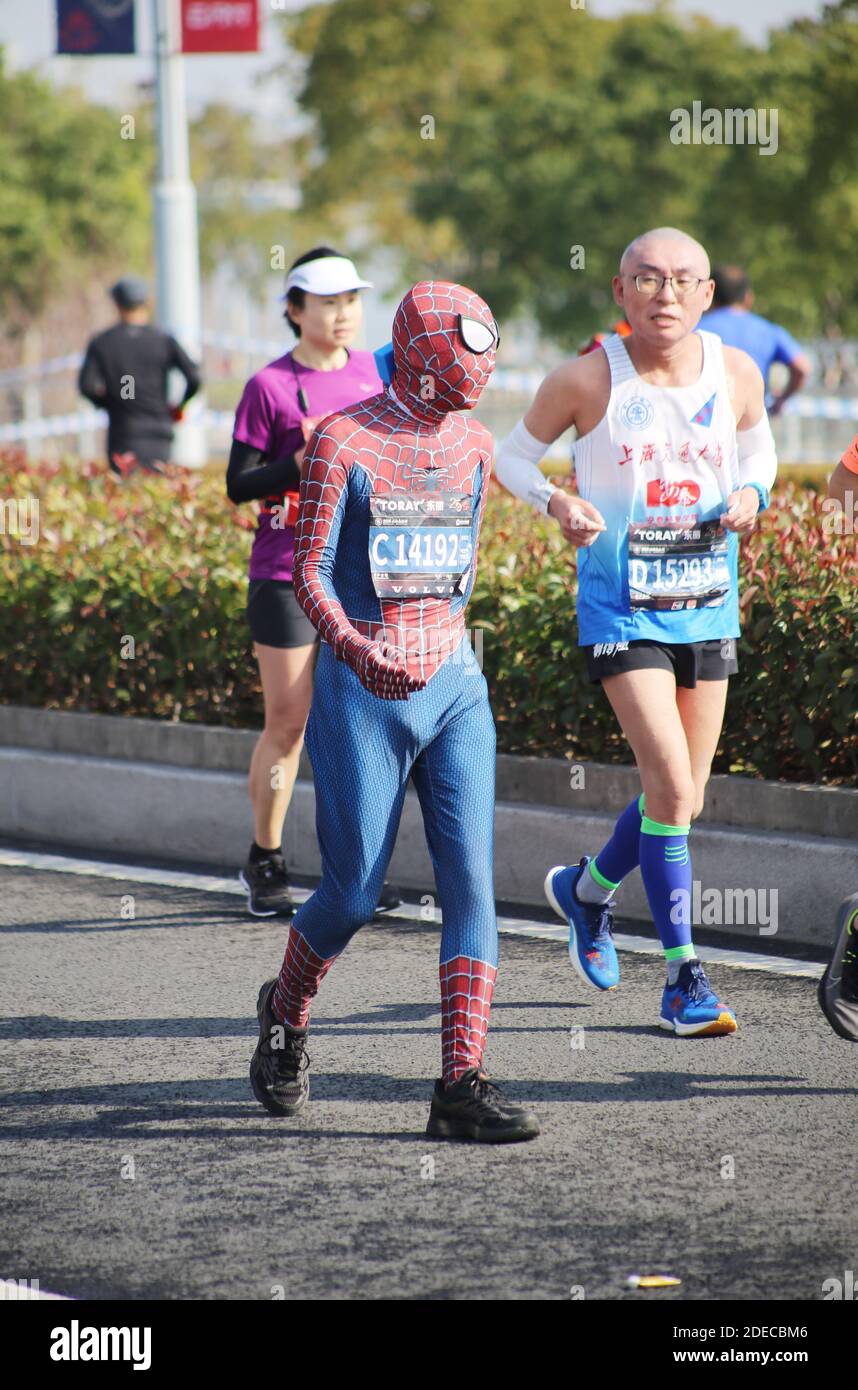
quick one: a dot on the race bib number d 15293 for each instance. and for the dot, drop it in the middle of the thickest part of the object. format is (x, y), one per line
(420, 545)
(677, 567)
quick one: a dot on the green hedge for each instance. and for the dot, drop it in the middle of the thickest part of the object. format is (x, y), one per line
(164, 561)
(161, 560)
(792, 710)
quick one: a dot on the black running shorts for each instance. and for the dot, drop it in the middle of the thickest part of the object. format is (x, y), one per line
(690, 662)
(275, 616)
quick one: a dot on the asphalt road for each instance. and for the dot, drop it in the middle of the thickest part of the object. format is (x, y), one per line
(124, 1049)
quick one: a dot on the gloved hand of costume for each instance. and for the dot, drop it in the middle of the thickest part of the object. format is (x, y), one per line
(378, 669)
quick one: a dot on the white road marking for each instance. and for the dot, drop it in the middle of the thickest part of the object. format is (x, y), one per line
(124, 873)
(645, 946)
(509, 926)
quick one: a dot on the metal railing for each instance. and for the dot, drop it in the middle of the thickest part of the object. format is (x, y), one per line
(813, 427)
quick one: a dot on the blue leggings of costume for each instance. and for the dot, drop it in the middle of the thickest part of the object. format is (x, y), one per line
(363, 751)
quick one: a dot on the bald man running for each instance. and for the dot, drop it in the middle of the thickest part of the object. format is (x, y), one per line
(674, 459)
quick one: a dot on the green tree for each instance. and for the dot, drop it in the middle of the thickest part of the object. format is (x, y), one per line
(75, 193)
(803, 255)
(486, 141)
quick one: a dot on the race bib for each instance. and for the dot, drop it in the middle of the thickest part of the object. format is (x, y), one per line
(677, 567)
(420, 545)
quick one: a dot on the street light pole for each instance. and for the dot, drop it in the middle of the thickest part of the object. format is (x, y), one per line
(175, 209)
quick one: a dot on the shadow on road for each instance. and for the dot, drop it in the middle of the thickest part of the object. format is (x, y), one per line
(40, 1026)
(134, 1106)
(191, 917)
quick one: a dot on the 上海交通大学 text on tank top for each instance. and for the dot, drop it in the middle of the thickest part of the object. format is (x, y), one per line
(659, 466)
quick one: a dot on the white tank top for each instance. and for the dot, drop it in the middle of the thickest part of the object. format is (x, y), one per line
(659, 466)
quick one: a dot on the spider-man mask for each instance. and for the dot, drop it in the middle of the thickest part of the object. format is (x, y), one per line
(445, 341)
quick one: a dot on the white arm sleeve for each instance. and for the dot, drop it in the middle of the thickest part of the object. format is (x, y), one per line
(516, 467)
(758, 460)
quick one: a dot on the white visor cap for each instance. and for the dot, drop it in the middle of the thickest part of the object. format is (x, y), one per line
(327, 275)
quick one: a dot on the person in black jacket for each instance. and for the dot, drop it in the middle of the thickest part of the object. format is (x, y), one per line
(125, 372)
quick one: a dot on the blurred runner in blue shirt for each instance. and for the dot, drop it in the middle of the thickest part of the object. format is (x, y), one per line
(731, 318)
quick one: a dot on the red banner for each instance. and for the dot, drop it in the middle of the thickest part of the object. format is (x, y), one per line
(220, 26)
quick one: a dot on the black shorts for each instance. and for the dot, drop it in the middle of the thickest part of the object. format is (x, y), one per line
(275, 617)
(690, 662)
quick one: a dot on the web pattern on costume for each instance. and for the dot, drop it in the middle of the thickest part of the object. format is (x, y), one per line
(300, 975)
(428, 351)
(406, 441)
(466, 999)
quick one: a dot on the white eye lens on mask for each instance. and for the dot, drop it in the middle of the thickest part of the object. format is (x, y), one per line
(477, 336)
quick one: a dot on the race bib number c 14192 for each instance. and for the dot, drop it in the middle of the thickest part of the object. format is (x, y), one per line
(420, 545)
(678, 567)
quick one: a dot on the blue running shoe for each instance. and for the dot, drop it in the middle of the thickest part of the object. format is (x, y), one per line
(591, 945)
(691, 1009)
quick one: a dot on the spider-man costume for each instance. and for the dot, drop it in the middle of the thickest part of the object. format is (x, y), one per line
(392, 500)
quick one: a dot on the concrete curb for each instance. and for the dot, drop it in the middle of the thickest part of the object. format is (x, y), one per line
(603, 788)
(202, 815)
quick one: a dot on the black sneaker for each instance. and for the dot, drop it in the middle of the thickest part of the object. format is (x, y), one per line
(267, 884)
(474, 1108)
(388, 899)
(280, 1065)
(838, 988)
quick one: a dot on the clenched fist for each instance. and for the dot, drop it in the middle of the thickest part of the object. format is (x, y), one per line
(579, 520)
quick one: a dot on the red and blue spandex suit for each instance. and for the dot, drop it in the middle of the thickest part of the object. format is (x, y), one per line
(392, 500)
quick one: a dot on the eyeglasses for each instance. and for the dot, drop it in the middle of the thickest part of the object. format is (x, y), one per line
(683, 285)
(478, 336)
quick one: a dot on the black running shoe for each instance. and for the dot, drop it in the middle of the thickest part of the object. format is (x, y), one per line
(388, 899)
(838, 989)
(474, 1108)
(267, 884)
(279, 1068)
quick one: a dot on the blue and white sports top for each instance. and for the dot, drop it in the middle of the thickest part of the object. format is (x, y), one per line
(659, 466)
